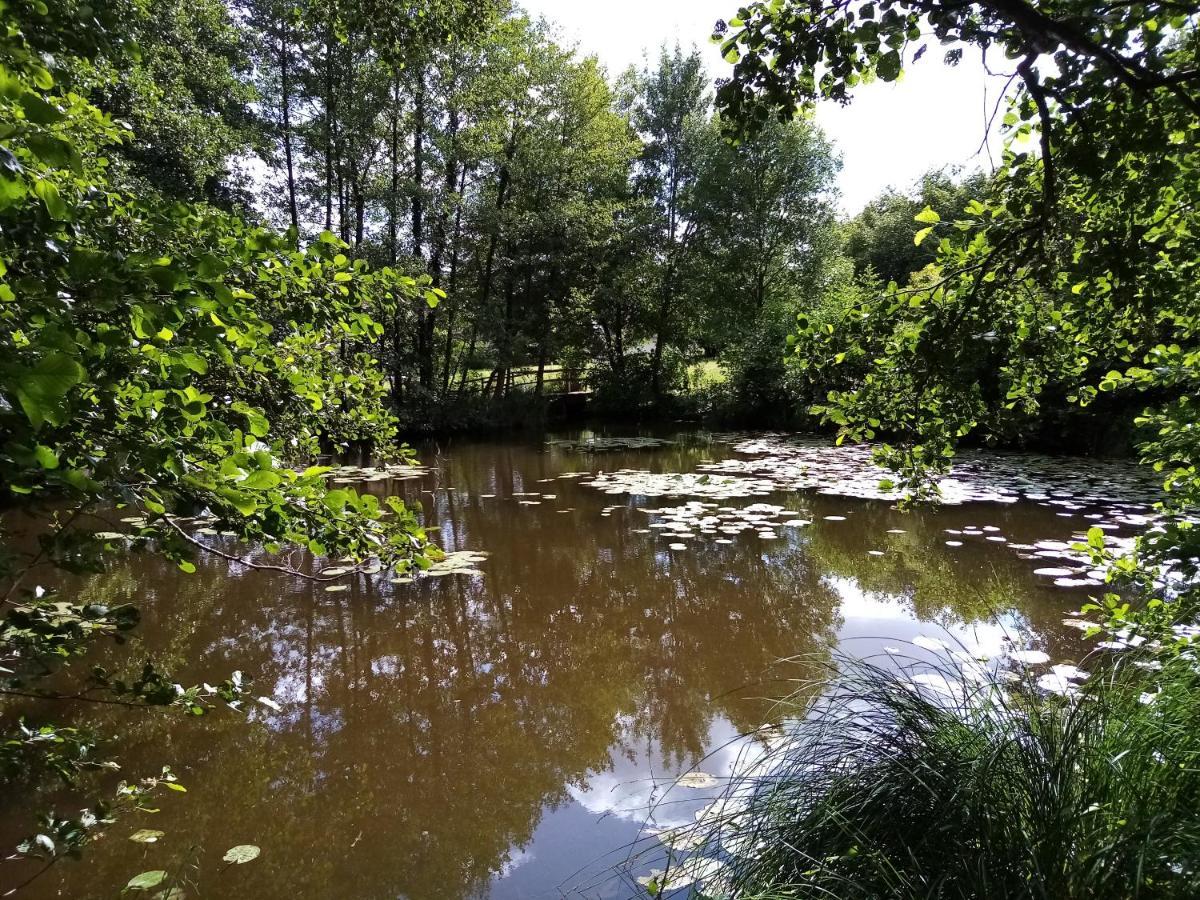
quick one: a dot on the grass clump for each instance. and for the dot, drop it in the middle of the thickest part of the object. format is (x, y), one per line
(903, 788)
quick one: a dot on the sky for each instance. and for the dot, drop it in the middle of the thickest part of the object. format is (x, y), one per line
(891, 133)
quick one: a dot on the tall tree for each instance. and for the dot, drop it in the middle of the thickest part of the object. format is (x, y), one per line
(185, 94)
(670, 112)
(882, 237)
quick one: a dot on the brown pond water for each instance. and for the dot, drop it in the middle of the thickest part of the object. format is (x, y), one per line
(505, 735)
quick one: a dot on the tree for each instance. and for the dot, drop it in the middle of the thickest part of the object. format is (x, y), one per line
(670, 112)
(185, 94)
(881, 238)
(279, 37)
(762, 206)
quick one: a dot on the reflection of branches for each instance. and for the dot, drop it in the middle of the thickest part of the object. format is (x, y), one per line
(80, 697)
(41, 554)
(28, 881)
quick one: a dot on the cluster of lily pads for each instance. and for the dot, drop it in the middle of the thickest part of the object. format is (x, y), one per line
(644, 483)
(200, 525)
(680, 523)
(1123, 488)
(958, 668)
(1110, 495)
(458, 562)
(1075, 567)
(603, 444)
(390, 472)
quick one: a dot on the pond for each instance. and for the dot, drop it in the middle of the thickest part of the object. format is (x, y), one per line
(507, 727)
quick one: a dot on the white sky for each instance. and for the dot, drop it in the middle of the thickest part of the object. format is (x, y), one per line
(889, 135)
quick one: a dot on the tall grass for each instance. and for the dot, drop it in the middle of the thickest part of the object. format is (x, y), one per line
(987, 792)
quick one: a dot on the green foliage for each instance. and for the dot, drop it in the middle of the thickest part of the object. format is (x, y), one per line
(886, 237)
(182, 89)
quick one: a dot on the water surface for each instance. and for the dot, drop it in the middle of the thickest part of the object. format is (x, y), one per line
(507, 734)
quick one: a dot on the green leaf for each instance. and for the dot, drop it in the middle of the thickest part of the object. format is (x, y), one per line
(46, 458)
(257, 423)
(41, 389)
(146, 880)
(888, 66)
(195, 362)
(39, 111)
(921, 235)
(927, 216)
(261, 480)
(243, 503)
(48, 192)
(242, 853)
(54, 151)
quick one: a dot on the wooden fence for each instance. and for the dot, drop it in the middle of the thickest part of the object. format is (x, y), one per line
(555, 380)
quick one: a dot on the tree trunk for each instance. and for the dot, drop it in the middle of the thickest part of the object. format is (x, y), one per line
(664, 312)
(394, 199)
(452, 284)
(425, 315)
(358, 216)
(510, 151)
(467, 357)
(330, 113)
(286, 103)
(541, 367)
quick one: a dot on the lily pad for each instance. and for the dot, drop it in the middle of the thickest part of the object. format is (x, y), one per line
(242, 853)
(146, 880)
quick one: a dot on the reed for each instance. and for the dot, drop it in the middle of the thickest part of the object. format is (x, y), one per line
(985, 791)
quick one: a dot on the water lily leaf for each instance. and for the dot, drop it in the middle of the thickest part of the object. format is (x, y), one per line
(146, 880)
(1030, 657)
(242, 853)
(697, 780)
